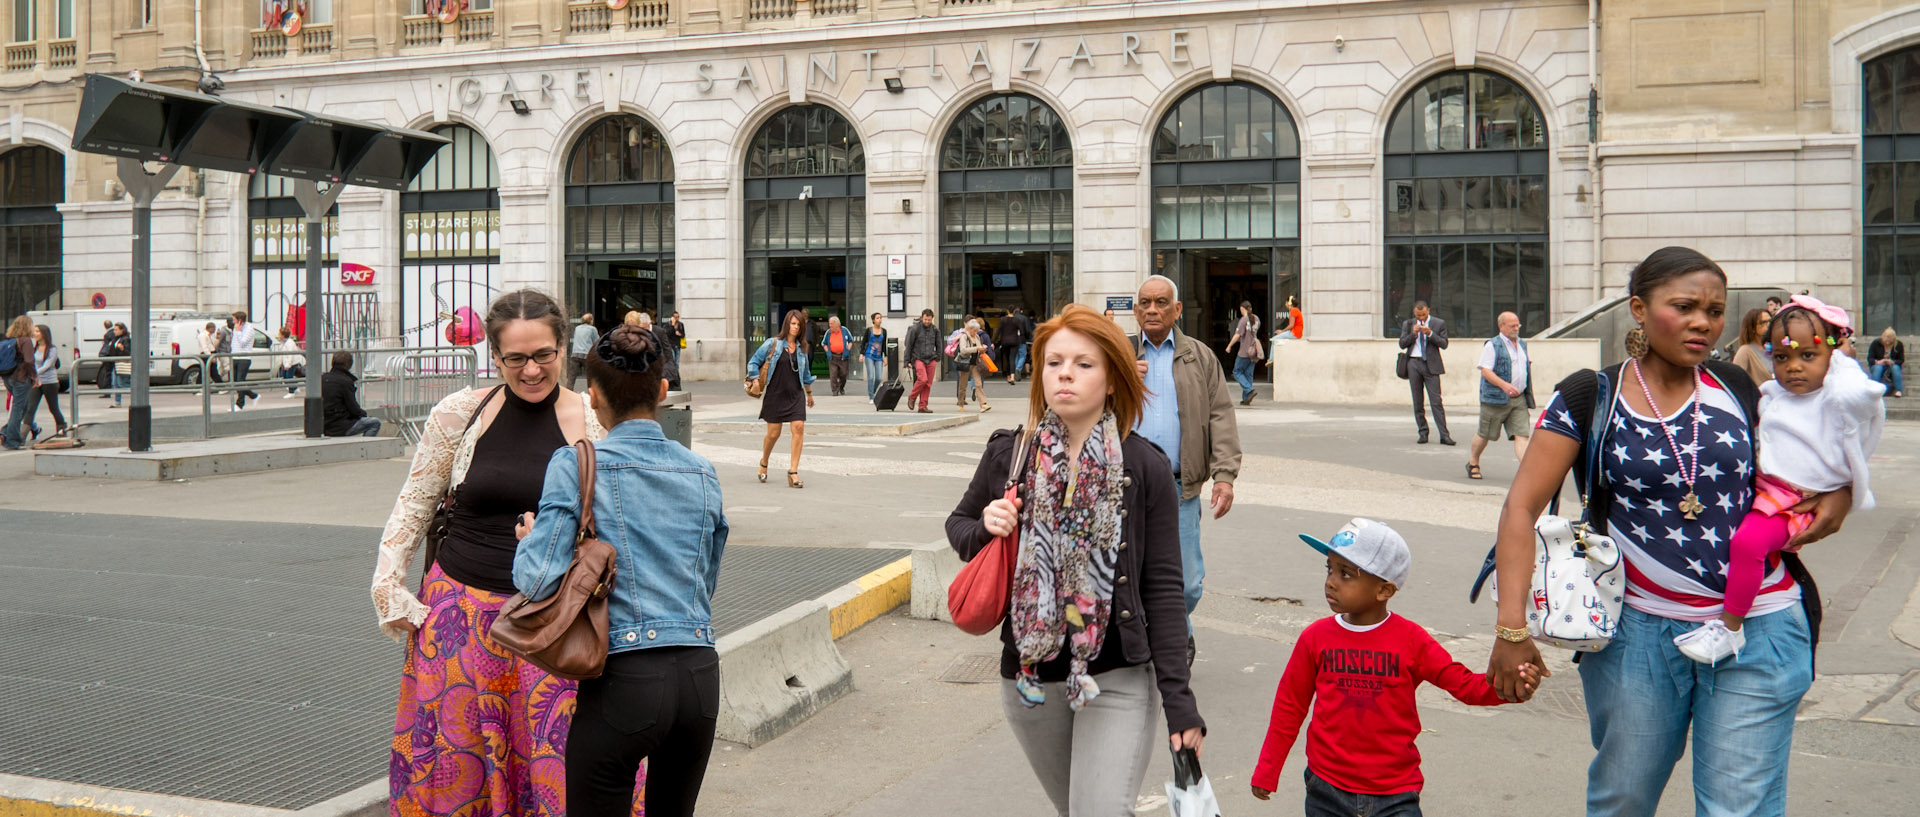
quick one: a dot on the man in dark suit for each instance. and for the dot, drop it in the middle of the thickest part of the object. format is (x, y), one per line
(1423, 337)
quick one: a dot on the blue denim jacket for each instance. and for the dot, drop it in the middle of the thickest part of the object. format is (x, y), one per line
(767, 354)
(658, 505)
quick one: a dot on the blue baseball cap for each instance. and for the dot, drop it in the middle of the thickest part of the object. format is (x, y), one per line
(1371, 546)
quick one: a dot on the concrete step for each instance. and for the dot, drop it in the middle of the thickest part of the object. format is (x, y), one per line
(1903, 408)
(287, 417)
(206, 458)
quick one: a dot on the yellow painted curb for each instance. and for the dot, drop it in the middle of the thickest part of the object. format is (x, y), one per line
(870, 596)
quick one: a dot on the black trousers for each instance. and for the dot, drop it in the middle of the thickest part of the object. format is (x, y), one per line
(240, 367)
(1005, 355)
(659, 705)
(1420, 380)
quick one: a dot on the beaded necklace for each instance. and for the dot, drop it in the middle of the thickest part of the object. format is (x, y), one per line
(1690, 504)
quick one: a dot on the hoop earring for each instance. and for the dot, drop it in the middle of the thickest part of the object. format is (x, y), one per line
(1636, 342)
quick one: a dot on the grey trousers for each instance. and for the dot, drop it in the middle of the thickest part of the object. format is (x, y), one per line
(1420, 380)
(1090, 762)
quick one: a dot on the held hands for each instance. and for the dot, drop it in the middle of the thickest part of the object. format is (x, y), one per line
(1515, 670)
(523, 527)
(1001, 516)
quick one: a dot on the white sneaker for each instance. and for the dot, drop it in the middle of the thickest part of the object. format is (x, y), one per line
(1711, 642)
(288, 396)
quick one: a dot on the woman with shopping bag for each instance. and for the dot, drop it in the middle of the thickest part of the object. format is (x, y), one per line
(1096, 518)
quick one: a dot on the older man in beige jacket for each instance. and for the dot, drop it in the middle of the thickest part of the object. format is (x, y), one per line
(1189, 414)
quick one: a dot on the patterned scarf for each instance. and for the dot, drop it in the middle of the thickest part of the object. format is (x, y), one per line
(1069, 547)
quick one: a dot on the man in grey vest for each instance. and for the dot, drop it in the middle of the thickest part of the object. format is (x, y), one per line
(1506, 390)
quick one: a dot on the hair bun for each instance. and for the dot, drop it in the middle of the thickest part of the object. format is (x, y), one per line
(629, 349)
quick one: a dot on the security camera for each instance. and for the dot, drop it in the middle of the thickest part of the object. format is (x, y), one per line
(210, 84)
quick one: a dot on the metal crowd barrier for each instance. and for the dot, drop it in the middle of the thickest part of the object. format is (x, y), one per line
(397, 384)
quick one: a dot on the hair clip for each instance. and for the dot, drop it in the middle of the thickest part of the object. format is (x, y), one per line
(1768, 346)
(1831, 341)
(1793, 344)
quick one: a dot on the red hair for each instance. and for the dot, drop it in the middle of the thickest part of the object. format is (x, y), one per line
(1129, 392)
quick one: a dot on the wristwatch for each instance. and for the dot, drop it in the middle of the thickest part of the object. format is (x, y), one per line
(1515, 635)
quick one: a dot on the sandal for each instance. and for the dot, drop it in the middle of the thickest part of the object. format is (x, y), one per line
(763, 471)
(793, 480)
(1473, 471)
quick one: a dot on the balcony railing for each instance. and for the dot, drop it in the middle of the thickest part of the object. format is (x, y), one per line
(769, 10)
(22, 56)
(649, 14)
(476, 26)
(61, 54)
(419, 31)
(835, 8)
(589, 18)
(316, 40)
(268, 44)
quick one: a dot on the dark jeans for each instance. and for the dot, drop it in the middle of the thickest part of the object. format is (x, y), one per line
(576, 369)
(837, 374)
(1420, 380)
(51, 393)
(1007, 356)
(17, 390)
(1323, 800)
(660, 705)
(364, 427)
(240, 367)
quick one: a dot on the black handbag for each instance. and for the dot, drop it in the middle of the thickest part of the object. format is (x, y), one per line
(443, 513)
(1400, 366)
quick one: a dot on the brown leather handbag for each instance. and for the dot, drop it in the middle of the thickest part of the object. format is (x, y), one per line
(566, 633)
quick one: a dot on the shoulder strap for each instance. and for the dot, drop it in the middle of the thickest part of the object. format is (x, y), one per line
(480, 408)
(1021, 442)
(584, 450)
(1738, 383)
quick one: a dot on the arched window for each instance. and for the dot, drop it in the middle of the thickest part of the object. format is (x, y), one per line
(1890, 217)
(806, 224)
(33, 180)
(450, 243)
(1226, 207)
(1466, 205)
(1006, 211)
(277, 255)
(620, 221)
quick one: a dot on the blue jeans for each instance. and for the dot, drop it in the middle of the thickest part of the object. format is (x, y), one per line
(10, 436)
(1020, 357)
(1642, 695)
(1243, 372)
(1326, 800)
(1192, 567)
(1881, 370)
(120, 381)
(875, 370)
(364, 427)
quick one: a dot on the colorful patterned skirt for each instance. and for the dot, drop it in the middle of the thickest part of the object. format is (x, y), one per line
(480, 732)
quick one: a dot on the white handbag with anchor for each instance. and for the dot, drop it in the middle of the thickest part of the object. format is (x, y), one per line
(1578, 586)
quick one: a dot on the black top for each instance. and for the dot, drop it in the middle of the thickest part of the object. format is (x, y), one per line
(1877, 352)
(338, 406)
(785, 400)
(504, 480)
(923, 343)
(1148, 586)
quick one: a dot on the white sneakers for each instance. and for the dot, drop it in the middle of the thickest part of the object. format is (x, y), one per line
(1711, 642)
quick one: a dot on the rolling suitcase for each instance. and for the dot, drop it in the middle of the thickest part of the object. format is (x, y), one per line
(888, 395)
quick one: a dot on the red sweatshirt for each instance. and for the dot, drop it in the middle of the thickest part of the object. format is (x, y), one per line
(1364, 718)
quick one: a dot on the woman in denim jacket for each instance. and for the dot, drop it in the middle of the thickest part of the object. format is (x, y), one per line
(659, 506)
(783, 360)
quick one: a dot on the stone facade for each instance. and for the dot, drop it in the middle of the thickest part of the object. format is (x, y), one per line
(1728, 125)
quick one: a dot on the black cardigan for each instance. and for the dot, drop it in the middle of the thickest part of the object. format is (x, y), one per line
(1876, 351)
(1148, 584)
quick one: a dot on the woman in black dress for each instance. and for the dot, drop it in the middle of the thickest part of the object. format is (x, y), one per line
(783, 359)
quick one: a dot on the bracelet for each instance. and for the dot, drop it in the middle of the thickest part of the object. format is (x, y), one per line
(1516, 635)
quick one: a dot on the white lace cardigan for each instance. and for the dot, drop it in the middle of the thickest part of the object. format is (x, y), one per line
(441, 461)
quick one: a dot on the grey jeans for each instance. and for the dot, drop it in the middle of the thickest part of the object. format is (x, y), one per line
(1090, 762)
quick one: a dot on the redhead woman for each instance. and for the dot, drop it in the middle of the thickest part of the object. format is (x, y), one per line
(1095, 644)
(480, 732)
(782, 360)
(1676, 464)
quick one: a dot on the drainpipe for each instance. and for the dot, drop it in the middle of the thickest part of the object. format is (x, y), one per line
(1593, 139)
(200, 176)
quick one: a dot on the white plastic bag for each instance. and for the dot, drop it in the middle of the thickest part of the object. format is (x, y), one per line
(1189, 794)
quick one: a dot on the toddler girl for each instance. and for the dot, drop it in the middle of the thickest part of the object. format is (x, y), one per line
(1820, 418)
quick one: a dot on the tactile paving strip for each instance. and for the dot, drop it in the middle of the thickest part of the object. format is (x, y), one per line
(238, 661)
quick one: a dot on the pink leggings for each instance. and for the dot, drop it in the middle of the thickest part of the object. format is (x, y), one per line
(1761, 534)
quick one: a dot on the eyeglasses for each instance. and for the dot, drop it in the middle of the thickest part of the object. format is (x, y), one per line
(518, 361)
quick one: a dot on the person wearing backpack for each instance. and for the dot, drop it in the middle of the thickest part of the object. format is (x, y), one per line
(1673, 436)
(16, 368)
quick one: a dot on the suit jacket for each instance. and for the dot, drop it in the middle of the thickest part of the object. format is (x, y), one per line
(1435, 342)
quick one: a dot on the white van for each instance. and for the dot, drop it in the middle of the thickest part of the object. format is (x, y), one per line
(79, 332)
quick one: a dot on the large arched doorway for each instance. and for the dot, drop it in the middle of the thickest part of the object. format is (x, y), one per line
(620, 221)
(33, 182)
(1890, 217)
(806, 222)
(1226, 207)
(1006, 211)
(1466, 205)
(450, 244)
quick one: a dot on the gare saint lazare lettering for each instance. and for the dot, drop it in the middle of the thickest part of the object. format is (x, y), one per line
(1030, 56)
(531, 88)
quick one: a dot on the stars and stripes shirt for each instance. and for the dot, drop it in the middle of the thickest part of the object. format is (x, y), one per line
(1677, 567)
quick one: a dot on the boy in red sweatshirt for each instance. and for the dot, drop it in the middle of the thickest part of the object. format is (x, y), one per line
(1360, 667)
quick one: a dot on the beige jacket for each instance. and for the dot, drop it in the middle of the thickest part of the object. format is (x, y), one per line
(1209, 432)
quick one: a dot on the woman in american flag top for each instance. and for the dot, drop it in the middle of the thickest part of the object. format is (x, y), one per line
(1677, 467)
